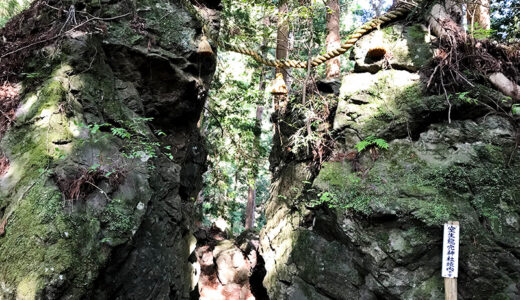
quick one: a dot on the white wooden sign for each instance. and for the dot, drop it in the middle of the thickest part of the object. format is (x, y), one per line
(450, 250)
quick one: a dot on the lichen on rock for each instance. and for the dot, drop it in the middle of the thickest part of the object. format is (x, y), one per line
(370, 222)
(89, 179)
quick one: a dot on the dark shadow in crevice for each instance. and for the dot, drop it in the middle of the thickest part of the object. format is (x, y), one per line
(256, 280)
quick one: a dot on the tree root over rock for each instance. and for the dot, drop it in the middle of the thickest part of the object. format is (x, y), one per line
(462, 60)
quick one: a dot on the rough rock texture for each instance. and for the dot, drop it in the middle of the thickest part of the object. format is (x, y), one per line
(407, 48)
(105, 157)
(229, 269)
(378, 234)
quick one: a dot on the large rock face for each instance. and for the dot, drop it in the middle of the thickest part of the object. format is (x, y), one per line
(104, 157)
(378, 234)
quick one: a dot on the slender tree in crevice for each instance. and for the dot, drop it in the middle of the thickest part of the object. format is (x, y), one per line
(282, 37)
(333, 39)
(253, 170)
(251, 195)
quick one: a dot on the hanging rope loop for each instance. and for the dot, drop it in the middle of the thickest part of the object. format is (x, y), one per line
(315, 61)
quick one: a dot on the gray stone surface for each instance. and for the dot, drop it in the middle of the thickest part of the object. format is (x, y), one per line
(125, 232)
(379, 235)
(407, 48)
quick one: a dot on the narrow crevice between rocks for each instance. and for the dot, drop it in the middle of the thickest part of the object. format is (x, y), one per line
(256, 280)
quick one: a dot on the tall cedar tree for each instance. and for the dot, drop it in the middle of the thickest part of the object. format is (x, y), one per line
(282, 37)
(333, 39)
(251, 195)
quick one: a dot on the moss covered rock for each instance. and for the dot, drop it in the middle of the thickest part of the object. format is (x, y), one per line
(95, 203)
(367, 224)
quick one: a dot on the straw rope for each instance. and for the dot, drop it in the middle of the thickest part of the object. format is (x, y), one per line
(315, 61)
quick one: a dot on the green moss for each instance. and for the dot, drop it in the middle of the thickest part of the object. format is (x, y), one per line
(500, 296)
(318, 259)
(416, 50)
(28, 287)
(417, 33)
(121, 33)
(431, 288)
(163, 19)
(117, 216)
(34, 242)
(389, 105)
(343, 189)
(50, 95)
(488, 183)
(399, 180)
(41, 244)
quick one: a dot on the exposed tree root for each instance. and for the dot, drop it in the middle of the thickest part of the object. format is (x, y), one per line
(4, 164)
(461, 61)
(23, 30)
(85, 182)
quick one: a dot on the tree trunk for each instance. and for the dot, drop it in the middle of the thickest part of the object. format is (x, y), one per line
(282, 37)
(251, 195)
(478, 12)
(251, 204)
(445, 20)
(333, 39)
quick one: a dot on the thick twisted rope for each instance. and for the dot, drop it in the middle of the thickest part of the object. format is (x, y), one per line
(317, 60)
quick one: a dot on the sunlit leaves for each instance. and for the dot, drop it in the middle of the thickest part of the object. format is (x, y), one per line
(505, 19)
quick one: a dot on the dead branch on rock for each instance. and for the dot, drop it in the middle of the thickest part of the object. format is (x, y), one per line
(461, 60)
(64, 33)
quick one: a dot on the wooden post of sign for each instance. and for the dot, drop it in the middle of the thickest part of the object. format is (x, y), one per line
(450, 284)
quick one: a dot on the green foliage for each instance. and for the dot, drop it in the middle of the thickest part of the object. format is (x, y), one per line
(371, 141)
(516, 109)
(237, 145)
(311, 115)
(463, 97)
(117, 217)
(480, 33)
(120, 132)
(505, 20)
(326, 198)
(236, 216)
(10, 8)
(137, 143)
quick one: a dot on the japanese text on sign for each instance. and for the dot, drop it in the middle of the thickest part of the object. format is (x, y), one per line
(450, 251)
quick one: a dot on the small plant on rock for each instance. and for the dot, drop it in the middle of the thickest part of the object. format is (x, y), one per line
(373, 144)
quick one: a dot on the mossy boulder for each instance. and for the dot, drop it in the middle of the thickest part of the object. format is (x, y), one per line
(463, 171)
(372, 217)
(95, 204)
(372, 103)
